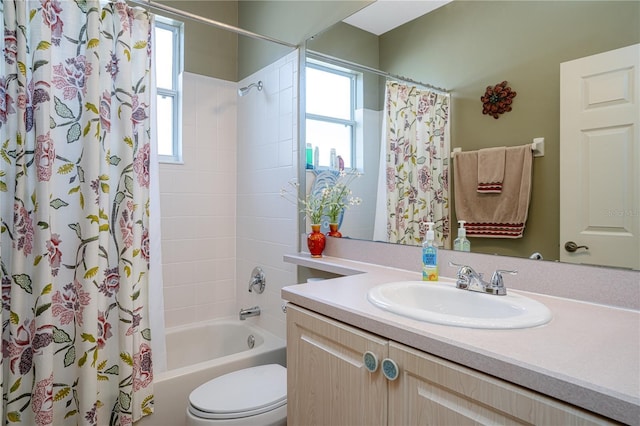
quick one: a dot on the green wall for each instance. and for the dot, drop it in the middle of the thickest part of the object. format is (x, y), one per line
(289, 21)
(347, 42)
(208, 50)
(294, 21)
(468, 45)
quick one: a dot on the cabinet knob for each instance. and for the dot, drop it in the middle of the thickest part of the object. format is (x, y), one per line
(390, 369)
(370, 361)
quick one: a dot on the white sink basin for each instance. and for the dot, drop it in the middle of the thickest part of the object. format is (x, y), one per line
(442, 303)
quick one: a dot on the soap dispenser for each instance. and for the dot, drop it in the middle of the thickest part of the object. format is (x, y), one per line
(429, 256)
(461, 243)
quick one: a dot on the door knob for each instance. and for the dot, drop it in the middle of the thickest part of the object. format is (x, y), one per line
(571, 247)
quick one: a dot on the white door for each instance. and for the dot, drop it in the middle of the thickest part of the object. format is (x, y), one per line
(600, 159)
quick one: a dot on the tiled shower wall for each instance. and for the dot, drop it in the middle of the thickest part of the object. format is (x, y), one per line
(198, 202)
(222, 213)
(267, 160)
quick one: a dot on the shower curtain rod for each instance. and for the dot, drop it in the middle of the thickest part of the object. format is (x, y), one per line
(353, 65)
(208, 21)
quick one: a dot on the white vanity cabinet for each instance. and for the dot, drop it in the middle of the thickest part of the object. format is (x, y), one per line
(328, 384)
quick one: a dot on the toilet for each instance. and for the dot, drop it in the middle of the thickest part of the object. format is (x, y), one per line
(255, 396)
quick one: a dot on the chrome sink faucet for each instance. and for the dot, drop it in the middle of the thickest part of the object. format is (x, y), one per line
(469, 279)
(249, 312)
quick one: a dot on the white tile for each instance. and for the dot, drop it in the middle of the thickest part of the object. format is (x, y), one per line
(285, 153)
(179, 297)
(285, 129)
(286, 75)
(223, 205)
(206, 199)
(168, 274)
(223, 247)
(188, 97)
(176, 317)
(286, 101)
(177, 180)
(225, 161)
(214, 311)
(185, 274)
(225, 270)
(205, 293)
(271, 81)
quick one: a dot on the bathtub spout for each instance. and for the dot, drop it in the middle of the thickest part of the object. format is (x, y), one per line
(249, 312)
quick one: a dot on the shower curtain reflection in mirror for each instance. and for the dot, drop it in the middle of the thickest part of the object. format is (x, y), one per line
(414, 170)
(75, 130)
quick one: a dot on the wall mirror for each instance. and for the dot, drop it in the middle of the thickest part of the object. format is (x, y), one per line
(466, 46)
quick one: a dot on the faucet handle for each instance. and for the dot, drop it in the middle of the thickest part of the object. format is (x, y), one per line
(464, 270)
(465, 275)
(257, 281)
(496, 278)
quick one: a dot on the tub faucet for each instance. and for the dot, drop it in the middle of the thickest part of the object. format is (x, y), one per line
(249, 312)
(258, 281)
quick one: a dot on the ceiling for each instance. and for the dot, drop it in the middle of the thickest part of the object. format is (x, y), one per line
(385, 15)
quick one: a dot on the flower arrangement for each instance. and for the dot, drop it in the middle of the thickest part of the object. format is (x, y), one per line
(330, 201)
(313, 206)
(339, 196)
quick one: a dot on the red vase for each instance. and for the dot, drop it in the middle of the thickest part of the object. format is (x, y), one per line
(333, 231)
(316, 241)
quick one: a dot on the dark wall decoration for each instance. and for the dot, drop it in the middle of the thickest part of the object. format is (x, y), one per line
(497, 99)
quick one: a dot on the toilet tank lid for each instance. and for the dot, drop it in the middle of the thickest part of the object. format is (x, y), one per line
(250, 389)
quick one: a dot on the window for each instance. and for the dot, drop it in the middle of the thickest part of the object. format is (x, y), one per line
(168, 63)
(330, 107)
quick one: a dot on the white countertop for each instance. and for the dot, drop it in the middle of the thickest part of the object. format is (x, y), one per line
(588, 354)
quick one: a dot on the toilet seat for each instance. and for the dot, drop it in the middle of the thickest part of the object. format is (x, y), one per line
(241, 393)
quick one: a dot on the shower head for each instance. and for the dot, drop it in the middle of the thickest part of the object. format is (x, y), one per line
(244, 90)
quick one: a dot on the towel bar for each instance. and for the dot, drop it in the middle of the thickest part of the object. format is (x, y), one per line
(537, 147)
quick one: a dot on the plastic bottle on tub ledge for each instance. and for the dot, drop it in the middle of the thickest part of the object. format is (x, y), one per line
(316, 158)
(429, 256)
(333, 159)
(309, 156)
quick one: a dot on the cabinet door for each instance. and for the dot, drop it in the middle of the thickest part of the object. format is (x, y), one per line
(327, 382)
(433, 391)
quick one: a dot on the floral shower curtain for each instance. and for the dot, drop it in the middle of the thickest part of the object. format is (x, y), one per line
(74, 205)
(417, 169)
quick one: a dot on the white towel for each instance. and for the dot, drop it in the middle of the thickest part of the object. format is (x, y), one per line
(491, 170)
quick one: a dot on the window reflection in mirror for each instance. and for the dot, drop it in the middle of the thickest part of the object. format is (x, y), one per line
(330, 123)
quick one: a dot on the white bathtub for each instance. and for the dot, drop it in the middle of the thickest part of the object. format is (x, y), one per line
(200, 352)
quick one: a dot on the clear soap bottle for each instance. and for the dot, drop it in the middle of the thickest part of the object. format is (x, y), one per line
(462, 243)
(429, 256)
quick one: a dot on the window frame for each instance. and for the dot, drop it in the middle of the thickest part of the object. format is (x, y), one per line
(175, 92)
(351, 122)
